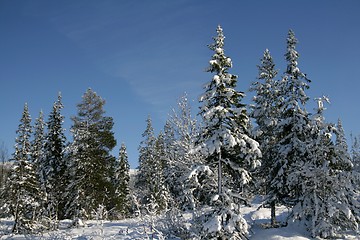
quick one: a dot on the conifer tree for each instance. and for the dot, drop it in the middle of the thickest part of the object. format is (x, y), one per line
(38, 158)
(355, 152)
(158, 187)
(38, 144)
(22, 194)
(225, 129)
(180, 134)
(146, 152)
(292, 131)
(328, 204)
(266, 111)
(266, 99)
(342, 148)
(355, 159)
(151, 176)
(91, 161)
(55, 167)
(122, 180)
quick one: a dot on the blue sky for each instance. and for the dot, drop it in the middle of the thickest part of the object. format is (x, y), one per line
(141, 56)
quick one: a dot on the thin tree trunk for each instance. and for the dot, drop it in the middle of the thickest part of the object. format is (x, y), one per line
(16, 218)
(219, 176)
(273, 215)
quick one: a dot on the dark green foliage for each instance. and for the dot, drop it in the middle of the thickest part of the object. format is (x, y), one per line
(292, 132)
(224, 140)
(91, 162)
(266, 111)
(54, 165)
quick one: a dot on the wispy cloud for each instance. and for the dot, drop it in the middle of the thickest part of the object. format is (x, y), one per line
(139, 44)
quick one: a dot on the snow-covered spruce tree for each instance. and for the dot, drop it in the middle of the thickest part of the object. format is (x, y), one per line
(22, 193)
(342, 148)
(121, 183)
(91, 162)
(355, 153)
(266, 111)
(158, 187)
(54, 165)
(225, 128)
(181, 131)
(146, 152)
(355, 159)
(80, 161)
(37, 144)
(38, 157)
(327, 203)
(292, 131)
(150, 179)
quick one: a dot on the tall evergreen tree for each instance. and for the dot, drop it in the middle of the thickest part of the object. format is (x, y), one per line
(38, 157)
(327, 204)
(158, 188)
(122, 181)
(266, 100)
(38, 144)
(22, 193)
(54, 168)
(146, 152)
(180, 133)
(151, 177)
(266, 112)
(225, 129)
(342, 148)
(292, 131)
(91, 161)
(355, 159)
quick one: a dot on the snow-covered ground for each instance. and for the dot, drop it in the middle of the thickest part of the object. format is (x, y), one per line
(134, 228)
(139, 228)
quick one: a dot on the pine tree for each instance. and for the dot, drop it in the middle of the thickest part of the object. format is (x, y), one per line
(23, 188)
(342, 148)
(355, 159)
(38, 144)
(328, 203)
(146, 152)
(122, 180)
(355, 153)
(91, 161)
(180, 133)
(80, 162)
(158, 187)
(151, 176)
(266, 99)
(225, 129)
(38, 157)
(292, 131)
(55, 167)
(266, 111)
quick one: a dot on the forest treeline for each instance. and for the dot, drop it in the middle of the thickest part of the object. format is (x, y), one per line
(198, 171)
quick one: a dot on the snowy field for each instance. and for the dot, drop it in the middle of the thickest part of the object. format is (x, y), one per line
(140, 228)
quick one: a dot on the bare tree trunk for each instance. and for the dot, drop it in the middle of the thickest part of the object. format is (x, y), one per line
(273, 215)
(219, 175)
(16, 216)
